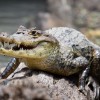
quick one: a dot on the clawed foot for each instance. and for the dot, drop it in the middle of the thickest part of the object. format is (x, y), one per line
(28, 72)
(3, 81)
(94, 86)
(97, 93)
(82, 90)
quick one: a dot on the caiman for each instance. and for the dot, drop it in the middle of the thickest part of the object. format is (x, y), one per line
(60, 50)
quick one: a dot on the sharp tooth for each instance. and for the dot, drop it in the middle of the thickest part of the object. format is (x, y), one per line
(21, 49)
(6, 44)
(18, 45)
(12, 45)
(1, 45)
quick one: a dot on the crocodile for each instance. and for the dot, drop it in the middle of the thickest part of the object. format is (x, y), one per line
(59, 50)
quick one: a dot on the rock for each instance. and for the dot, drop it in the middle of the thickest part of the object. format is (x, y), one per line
(37, 85)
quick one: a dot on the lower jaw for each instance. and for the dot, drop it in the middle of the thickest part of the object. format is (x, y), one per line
(32, 54)
(12, 53)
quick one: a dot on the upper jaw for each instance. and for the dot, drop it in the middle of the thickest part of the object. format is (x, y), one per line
(11, 47)
(12, 44)
(18, 42)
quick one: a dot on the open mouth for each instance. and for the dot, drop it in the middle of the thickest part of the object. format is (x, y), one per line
(23, 47)
(16, 47)
(13, 45)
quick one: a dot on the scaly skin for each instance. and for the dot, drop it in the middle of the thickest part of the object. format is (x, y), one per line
(61, 50)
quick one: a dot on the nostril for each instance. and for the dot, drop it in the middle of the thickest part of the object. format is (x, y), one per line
(3, 34)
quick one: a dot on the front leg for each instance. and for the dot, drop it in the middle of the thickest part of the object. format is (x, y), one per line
(94, 86)
(12, 65)
(82, 64)
(83, 77)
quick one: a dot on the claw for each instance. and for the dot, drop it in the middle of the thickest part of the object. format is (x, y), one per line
(94, 86)
(82, 90)
(97, 93)
(2, 81)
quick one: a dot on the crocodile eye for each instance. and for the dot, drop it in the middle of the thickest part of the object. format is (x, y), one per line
(35, 34)
(32, 32)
